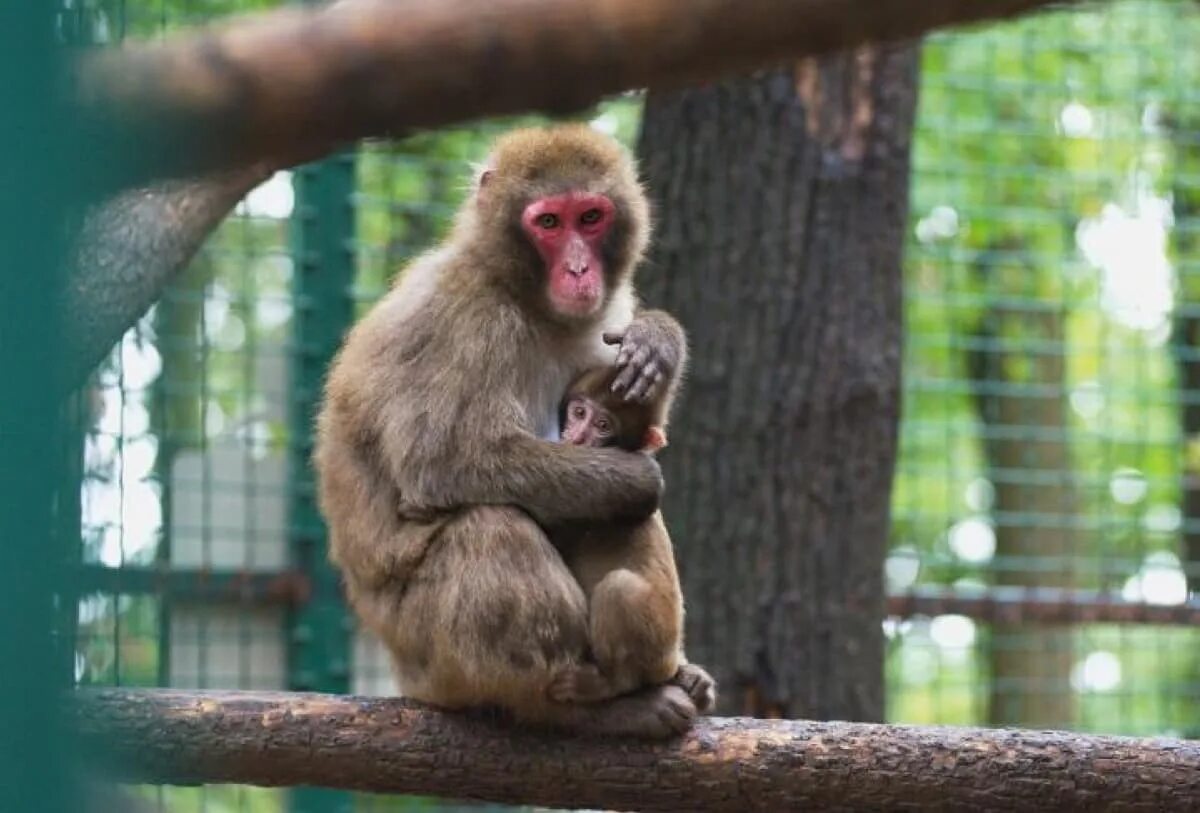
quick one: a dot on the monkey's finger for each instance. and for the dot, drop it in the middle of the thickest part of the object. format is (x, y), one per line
(655, 387)
(638, 391)
(644, 386)
(635, 369)
(641, 357)
(625, 378)
(650, 385)
(614, 336)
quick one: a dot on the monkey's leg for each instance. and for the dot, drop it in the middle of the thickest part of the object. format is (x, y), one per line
(636, 617)
(631, 644)
(635, 630)
(493, 615)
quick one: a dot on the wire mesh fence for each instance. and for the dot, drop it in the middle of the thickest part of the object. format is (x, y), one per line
(1046, 512)
(1047, 432)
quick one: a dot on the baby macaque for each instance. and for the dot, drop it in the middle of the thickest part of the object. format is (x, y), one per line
(593, 416)
(629, 577)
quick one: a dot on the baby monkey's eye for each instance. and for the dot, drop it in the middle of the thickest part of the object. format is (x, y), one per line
(590, 216)
(603, 425)
(578, 412)
(547, 221)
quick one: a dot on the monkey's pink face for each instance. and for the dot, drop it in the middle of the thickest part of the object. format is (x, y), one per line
(588, 424)
(568, 231)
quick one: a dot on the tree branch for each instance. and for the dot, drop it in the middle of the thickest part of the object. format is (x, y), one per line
(735, 764)
(128, 250)
(292, 84)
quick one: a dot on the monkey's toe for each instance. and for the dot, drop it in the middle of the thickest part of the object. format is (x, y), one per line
(579, 684)
(698, 684)
(657, 714)
(675, 710)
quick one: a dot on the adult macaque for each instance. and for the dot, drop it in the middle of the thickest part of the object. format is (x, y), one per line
(437, 453)
(626, 571)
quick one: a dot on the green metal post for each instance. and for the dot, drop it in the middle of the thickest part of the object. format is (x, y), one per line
(36, 180)
(323, 229)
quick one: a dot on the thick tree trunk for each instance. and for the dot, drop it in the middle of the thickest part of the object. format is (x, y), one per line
(1021, 401)
(781, 202)
(737, 765)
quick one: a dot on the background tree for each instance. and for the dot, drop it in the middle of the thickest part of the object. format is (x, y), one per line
(781, 202)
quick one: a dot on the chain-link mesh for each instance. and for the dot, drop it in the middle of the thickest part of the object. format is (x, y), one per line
(1047, 498)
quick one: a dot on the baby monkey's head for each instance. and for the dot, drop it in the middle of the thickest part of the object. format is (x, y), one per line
(594, 416)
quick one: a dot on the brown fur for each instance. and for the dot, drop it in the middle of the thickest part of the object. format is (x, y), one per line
(437, 471)
(628, 574)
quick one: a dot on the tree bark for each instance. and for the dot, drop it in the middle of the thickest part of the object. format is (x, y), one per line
(1021, 401)
(398, 746)
(293, 84)
(128, 250)
(782, 202)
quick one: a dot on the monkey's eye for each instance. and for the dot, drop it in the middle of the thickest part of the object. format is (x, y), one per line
(591, 216)
(603, 425)
(547, 221)
(578, 412)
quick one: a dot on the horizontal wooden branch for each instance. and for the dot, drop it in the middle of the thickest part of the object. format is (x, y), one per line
(292, 84)
(735, 764)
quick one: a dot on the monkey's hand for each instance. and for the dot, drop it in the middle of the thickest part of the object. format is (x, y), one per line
(651, 354)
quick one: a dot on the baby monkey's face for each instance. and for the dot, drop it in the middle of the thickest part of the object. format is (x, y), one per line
(589, 424)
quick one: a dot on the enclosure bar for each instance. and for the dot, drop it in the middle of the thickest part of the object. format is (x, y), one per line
(318, 628)
(1009, 604)
(322, 239)
(734, 764)
(288, 85)
(1041, 605)
(270, 588)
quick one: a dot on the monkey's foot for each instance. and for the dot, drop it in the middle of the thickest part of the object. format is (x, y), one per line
(699, 685)
(582, 683)
(658, 713)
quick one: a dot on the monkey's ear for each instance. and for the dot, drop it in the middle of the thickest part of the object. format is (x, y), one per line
(482, 173)
(654, 439)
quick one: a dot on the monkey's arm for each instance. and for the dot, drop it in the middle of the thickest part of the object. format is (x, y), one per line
(653, 355)
(560, 482)
(556, 483)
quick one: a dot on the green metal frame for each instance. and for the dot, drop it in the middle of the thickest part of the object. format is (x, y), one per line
(319, 630)
(37, 468)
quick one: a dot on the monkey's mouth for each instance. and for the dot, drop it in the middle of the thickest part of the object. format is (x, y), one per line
(574, 439)
(576, 295)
